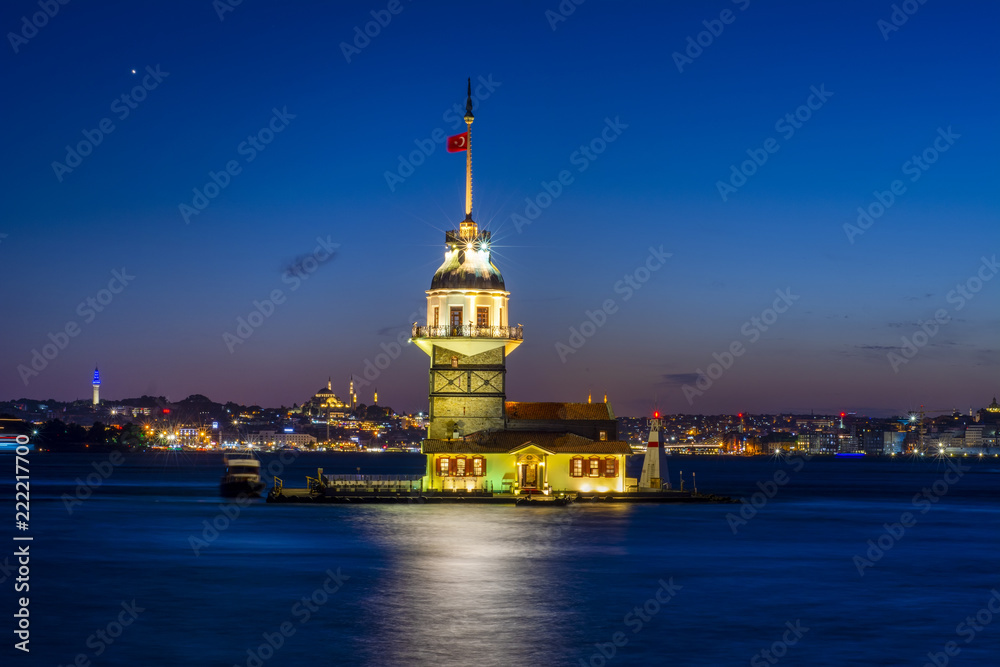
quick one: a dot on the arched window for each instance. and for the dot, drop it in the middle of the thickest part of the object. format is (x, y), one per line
(594, 469)
(479, 466)
(460, 466)
(444, 466)
(576, 466)
(610, 467)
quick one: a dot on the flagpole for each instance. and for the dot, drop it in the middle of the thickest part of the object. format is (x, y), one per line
(468, 153)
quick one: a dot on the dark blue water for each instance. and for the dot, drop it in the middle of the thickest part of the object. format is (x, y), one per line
(485, 585)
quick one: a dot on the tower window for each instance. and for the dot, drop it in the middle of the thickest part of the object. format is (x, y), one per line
(437, 316)
(482, 316)
(456, 321)
(603, 435)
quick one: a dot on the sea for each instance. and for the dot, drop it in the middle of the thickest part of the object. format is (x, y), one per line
(135, 560)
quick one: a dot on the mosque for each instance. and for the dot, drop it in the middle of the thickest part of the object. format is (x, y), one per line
(476, 438)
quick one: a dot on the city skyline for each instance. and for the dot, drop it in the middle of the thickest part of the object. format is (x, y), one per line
(708, 193)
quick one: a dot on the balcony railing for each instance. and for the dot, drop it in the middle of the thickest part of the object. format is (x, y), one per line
(468, 331)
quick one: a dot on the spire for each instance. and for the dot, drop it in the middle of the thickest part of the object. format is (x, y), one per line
(588, 398)
(329, 383)
(468, 153)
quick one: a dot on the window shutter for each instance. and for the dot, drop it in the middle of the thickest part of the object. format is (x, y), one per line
(454, 467)
(484, 467)
(616, 467)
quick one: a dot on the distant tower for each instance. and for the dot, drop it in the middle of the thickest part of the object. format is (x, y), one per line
(329, 383)
(354, 397)
(376, 395)
(97, 386)
(466, 333)
(650, 479)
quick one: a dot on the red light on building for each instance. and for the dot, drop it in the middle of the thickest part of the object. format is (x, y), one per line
(740, 415)
(166, 411)
(656, 415)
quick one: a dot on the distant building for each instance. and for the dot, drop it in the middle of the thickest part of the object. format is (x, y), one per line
(893, 442)
(326, 404)
(280, 439)
(818, 442)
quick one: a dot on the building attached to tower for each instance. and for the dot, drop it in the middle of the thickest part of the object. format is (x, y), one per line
(476, 439)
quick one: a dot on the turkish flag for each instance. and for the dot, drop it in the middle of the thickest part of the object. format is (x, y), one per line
(458, 143)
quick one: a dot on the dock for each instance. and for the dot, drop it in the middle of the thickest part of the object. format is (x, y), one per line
(408, 489)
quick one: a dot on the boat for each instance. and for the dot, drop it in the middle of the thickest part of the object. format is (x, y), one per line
(242, 476)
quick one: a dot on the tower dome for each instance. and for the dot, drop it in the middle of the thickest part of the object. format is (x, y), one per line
(467, 264)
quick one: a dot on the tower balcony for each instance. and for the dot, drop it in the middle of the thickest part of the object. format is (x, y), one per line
(468, 338)
(468, 331)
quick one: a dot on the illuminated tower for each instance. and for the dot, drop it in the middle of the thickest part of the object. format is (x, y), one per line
(97, 386)
(354, 397)
(375, 401)
(466, 333)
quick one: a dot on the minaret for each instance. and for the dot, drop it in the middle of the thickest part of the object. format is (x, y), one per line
(375, 399)
(97, 386)
(329, 383)
(354, 397)
(466, 333)
(650, 479)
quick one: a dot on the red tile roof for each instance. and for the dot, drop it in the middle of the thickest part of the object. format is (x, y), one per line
(500, 442)
(559, 411)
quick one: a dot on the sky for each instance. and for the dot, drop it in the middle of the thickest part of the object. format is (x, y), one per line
(716, 154)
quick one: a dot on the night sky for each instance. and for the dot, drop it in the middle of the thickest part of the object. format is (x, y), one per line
(879, 96)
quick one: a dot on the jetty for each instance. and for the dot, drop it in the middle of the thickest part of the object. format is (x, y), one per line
(409, 489)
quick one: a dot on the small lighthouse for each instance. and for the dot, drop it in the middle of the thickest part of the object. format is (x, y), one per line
(650, 479)
(96, 384)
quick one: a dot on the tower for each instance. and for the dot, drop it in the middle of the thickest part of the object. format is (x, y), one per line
(650, 479)
(466, 333)
(353, 396)
(96, 384)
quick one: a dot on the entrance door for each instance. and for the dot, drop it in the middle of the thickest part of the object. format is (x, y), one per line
(529, 477)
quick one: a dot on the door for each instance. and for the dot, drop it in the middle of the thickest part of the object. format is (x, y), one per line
(456, 321)
(529, 477)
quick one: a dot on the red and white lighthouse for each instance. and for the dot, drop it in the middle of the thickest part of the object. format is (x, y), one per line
(650, 479)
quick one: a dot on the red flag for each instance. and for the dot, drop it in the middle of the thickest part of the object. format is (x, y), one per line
(458, 143)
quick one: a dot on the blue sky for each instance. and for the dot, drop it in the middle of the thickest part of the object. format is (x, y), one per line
(551, 91)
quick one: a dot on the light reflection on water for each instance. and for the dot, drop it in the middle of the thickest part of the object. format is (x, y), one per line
(478, 584)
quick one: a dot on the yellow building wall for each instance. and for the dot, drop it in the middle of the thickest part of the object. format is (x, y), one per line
(557, 474)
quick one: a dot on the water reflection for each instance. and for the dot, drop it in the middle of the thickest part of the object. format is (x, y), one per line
(472, 584)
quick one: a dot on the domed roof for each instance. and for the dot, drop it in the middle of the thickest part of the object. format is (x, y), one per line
(468, 266)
